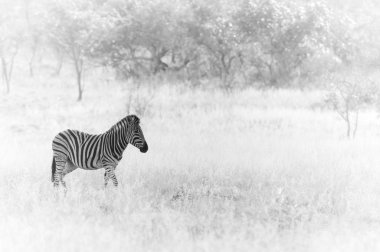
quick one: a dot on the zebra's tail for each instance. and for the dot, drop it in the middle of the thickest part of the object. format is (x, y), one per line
(53, 168)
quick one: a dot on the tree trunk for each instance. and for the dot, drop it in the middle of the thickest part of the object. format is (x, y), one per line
(78, 64)
(79, 85)
(59, 62)
(7, 71)
(157, 64)
(348, 121)
(35, 46)
(348, 132)
(59, 67)
(31, 61)
(33, 35)
(348, 124)
(356, 123)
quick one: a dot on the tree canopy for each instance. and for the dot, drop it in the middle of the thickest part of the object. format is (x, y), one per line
(267, 43)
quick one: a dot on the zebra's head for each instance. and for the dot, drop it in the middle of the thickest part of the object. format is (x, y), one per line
(135, 135)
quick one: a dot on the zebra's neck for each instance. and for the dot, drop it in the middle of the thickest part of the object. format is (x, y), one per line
(117, 141)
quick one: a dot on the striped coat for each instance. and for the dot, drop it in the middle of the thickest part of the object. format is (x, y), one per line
(73, 149)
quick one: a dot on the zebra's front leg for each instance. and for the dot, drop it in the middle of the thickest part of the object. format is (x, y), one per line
(110, 174)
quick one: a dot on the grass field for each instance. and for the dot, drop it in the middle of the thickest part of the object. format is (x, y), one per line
(244, 171)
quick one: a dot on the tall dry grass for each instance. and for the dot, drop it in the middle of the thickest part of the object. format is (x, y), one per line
(244, 171)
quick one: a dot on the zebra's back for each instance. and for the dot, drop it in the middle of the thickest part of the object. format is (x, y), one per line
(82, 149)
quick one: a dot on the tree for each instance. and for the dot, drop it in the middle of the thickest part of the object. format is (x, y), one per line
(347, 96)
(271, 42)
(216, 33)
(34, 34)
(146, 38)
(75, 28)
(11, 34)
(280, 36)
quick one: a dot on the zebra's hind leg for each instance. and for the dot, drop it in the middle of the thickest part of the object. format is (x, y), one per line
(106, 179)
(58, 175)
(110, 174)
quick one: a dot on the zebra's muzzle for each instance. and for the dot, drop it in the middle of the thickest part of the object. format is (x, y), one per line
(144, 148)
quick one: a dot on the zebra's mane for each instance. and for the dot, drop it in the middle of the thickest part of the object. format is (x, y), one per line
(131, 119)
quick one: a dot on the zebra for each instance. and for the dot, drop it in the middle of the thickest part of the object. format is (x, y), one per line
(73, 149)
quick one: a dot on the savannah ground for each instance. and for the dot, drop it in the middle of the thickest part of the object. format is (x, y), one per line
(242, 171)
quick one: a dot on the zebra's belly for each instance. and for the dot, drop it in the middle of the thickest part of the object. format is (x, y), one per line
(89, 164)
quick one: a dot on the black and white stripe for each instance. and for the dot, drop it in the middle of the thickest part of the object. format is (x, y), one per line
(73, 149)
